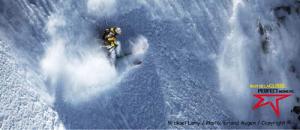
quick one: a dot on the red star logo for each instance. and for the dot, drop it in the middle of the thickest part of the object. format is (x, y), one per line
(275, 107)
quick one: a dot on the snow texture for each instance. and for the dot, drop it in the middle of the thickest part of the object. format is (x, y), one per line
(199, 57)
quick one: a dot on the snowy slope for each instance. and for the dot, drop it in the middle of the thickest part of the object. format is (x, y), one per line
(22, 105)
(201, 57)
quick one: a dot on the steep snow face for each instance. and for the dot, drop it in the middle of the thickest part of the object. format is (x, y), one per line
(232, 65)
(21, 105)
(101, 7)
(24, 101)
(279, 63)
(79, 64)
(246, 59)
(265, 64)
(196, 56)
(83, 72)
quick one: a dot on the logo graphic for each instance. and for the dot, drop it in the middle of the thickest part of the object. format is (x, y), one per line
(266, 92)
(275, 107)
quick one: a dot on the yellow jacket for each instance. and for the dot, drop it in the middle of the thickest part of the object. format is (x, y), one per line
(109, 37)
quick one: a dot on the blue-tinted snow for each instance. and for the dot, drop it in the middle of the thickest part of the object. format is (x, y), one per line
(202, 55)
